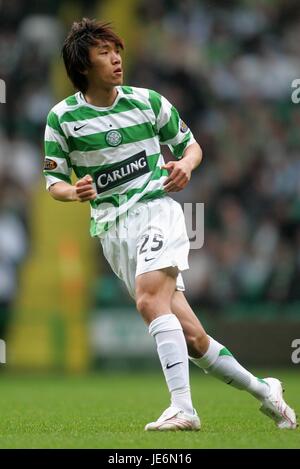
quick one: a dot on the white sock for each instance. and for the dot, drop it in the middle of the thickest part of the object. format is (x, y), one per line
(173, 355)
(219, 362)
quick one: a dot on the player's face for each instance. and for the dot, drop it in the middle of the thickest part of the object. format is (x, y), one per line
(106, 65)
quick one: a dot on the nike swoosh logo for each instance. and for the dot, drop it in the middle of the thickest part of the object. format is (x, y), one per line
(150, 259)
(171, 366)
(78, 128)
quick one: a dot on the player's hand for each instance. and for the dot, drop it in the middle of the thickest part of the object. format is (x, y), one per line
(179, 175)
(83, 189)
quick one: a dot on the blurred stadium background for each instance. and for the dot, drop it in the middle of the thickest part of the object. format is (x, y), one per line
(228, 67)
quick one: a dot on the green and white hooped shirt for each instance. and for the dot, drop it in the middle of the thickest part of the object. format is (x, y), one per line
(118, 145)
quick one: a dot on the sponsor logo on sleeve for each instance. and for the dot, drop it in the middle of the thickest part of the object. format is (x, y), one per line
(122, 172)
(183, 127)
(49, 165)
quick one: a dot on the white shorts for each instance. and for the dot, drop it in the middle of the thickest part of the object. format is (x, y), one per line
(150, 236)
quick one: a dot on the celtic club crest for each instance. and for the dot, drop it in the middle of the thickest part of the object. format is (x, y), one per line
(113, 138)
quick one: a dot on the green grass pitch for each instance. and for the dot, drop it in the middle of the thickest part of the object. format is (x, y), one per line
(110, 410)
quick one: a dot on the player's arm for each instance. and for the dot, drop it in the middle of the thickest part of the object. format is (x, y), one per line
(172, 131)
(58, 167)
(82, 191)
(180, 171)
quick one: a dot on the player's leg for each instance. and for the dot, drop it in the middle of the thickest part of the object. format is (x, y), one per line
(196, 337)
(212, 356)
(218, 361)
(152, 288)
(154, 291)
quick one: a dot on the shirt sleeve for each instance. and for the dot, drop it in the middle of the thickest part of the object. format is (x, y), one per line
(57, 165)
(172, 130)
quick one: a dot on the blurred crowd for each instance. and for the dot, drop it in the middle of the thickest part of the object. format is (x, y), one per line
(228, 67)
(26, 44)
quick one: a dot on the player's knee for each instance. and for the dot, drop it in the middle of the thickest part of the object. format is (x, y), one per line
(197, 344)
(146, 305)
